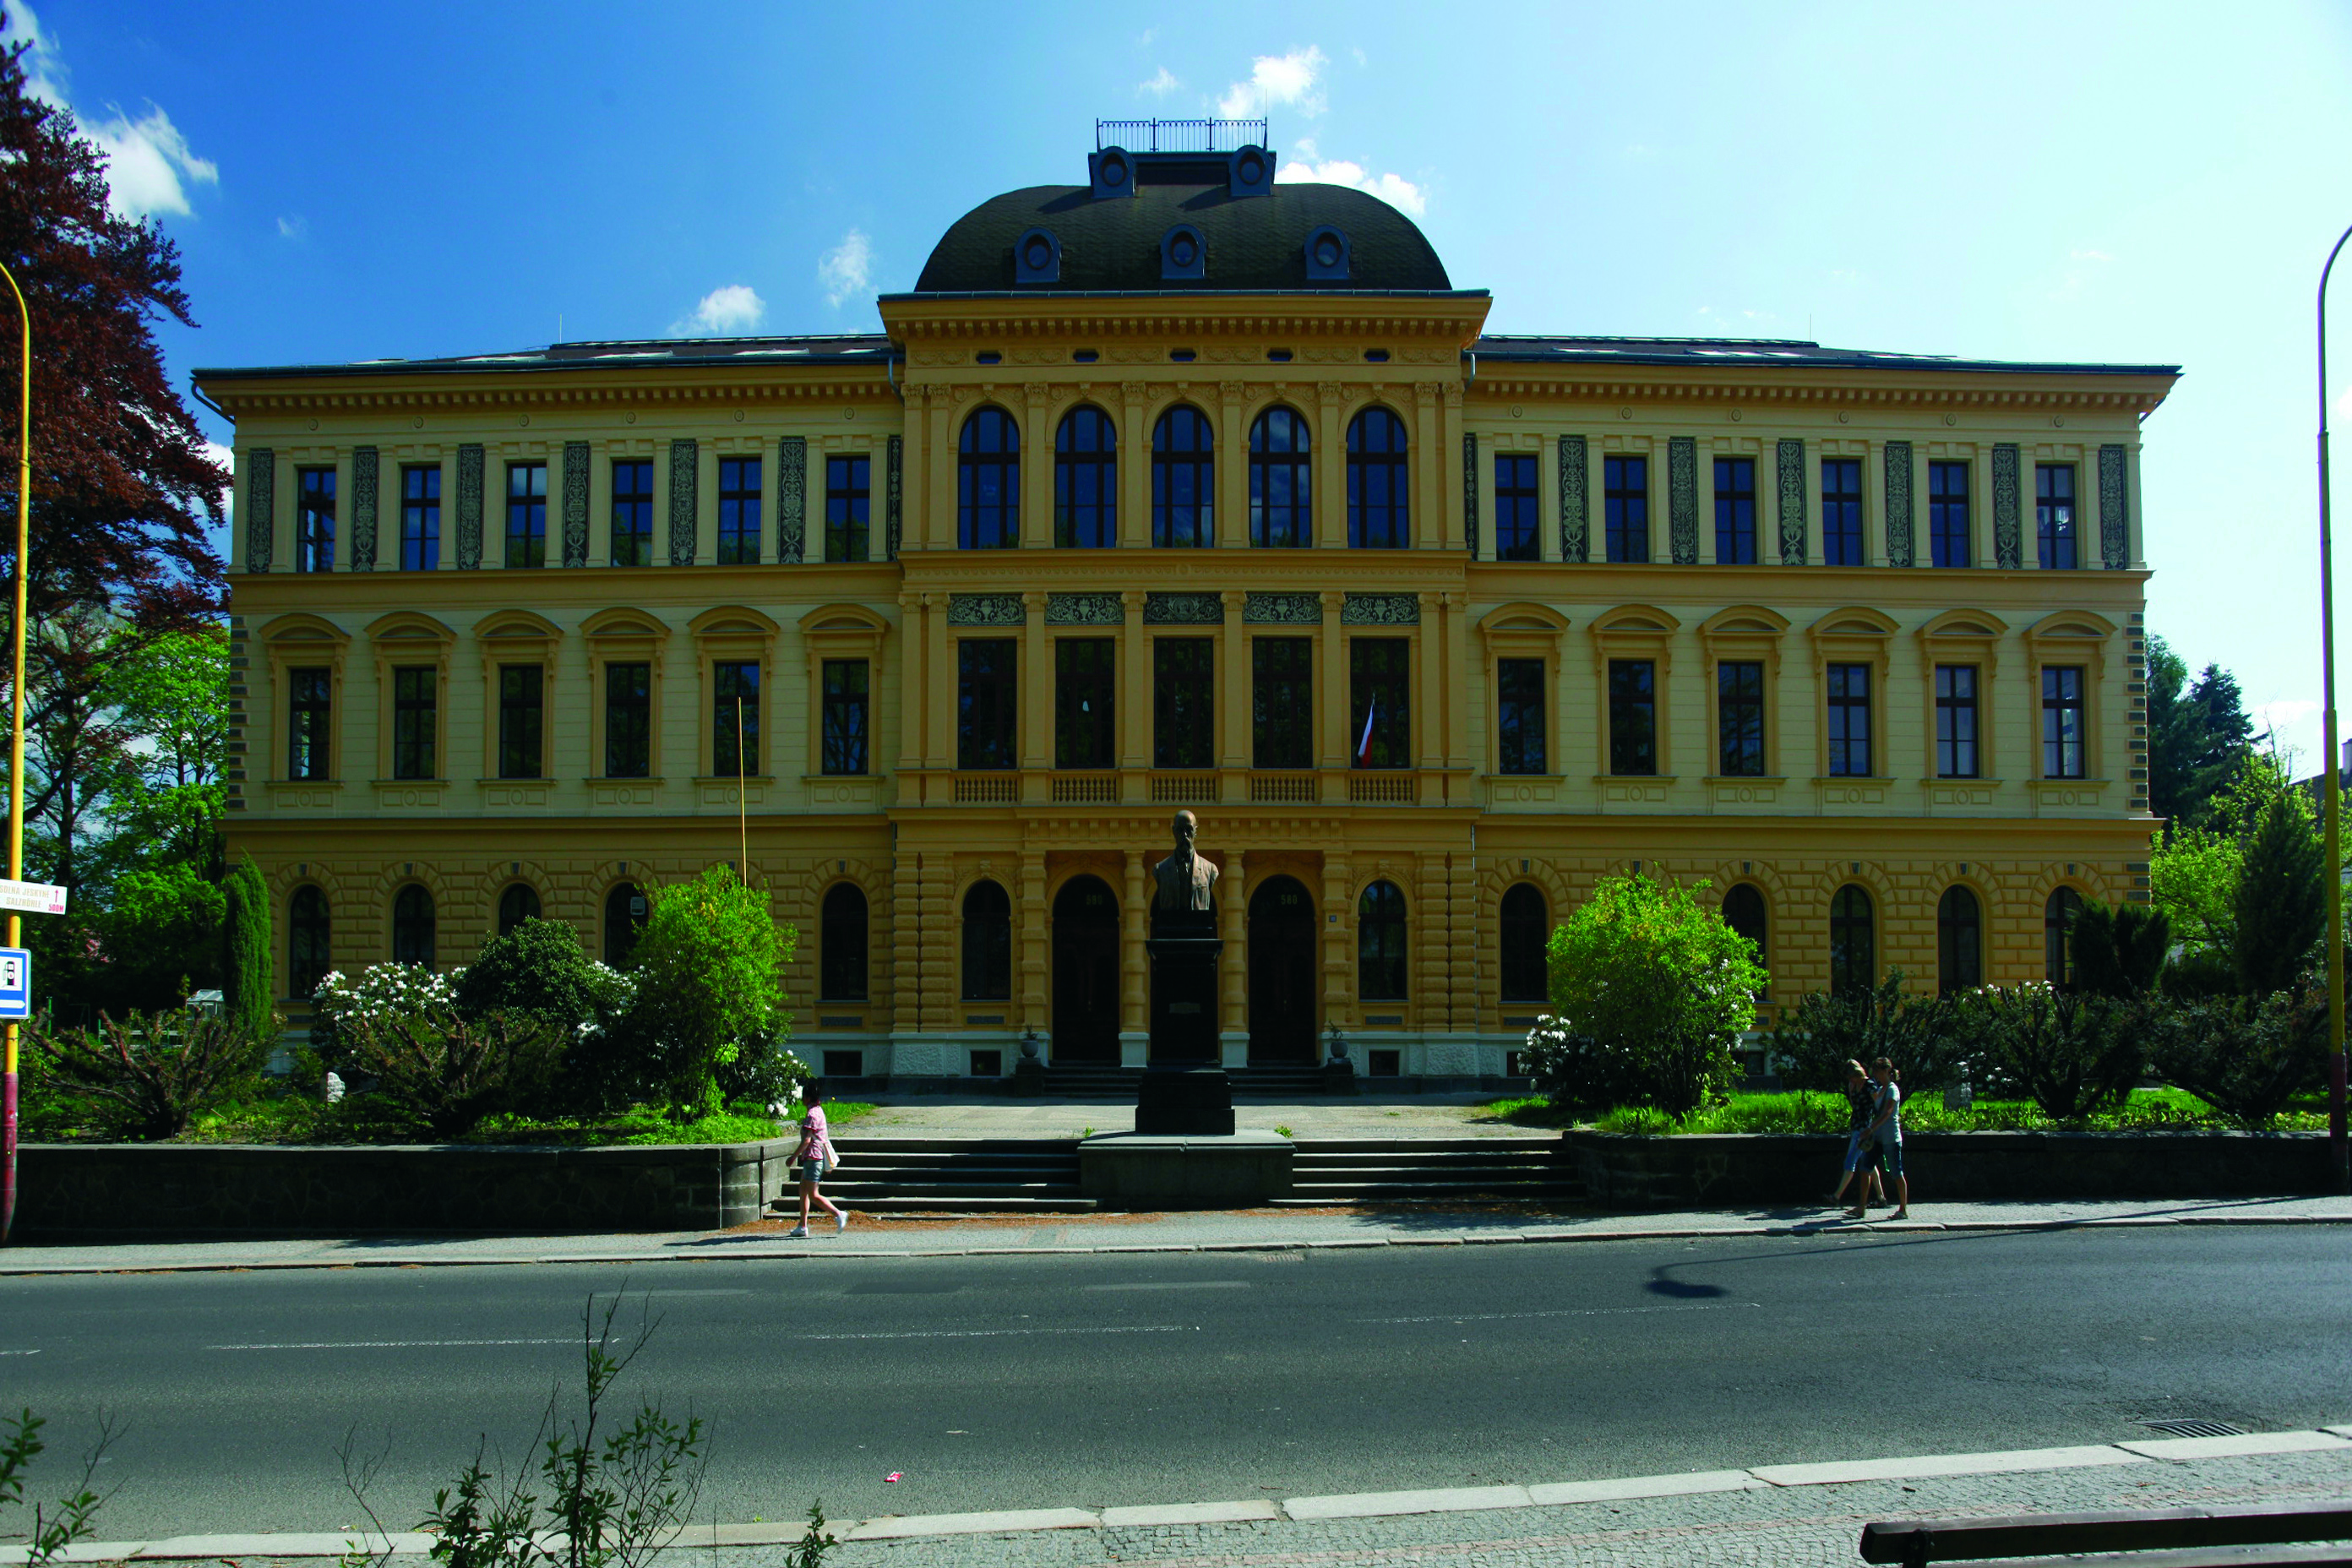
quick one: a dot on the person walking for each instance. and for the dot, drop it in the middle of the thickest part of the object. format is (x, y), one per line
(1887, 1129)
(1861, 1163)
(815, 1158)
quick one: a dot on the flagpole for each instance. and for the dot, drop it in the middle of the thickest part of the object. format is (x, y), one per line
(742, 822)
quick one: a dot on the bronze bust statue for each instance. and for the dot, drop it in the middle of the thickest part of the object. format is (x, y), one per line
(1186, 882)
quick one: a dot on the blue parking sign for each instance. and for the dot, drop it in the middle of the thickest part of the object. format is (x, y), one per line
(15, 982)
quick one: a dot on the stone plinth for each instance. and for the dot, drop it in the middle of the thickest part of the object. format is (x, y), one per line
(1179, 1101)
(1143, 1170)
(1184, 951)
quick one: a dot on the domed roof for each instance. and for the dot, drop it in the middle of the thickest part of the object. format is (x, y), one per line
(1256, 244)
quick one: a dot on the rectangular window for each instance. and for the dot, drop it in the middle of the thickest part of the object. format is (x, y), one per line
(2062, 722)
(739, 511)
(1625, 484)
(845, 717)
(988, 703)
(1086, 730)
(1948, 516)
(633, 513)
(734, 718)
(1841, 511)
(1956, 721)
(2053, 516)
(1381, 674)
(310, 716)
(526, 514)
(1633, 717)
(314, 520)
(628, 720)
(1520, 714)
(416, 714)
(1739, 719)
(848, 495)
(1282, 702)
(1734, 512)
(521, 720)
(420, 518)
(1850, 720)
(1183, 702)
(1516, 523)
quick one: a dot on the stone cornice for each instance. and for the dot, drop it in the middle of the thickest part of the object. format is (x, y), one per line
(520, 393)
(1735, 390)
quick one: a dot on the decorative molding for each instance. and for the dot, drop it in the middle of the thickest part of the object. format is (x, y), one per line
(791, 498)
(261, 507)
(986, 610)
(1283, 609)
(1682, 499)
(1900, 522)
(890, 521)
(469, 508)
(1575, 507)
(366, 477)
(2114, 508)
(575, 503)
(682, 455)
(1792, 503)
(1183, 610)
(1085, 610)
(1381, 610)
(2008, 524)
(1470, 492)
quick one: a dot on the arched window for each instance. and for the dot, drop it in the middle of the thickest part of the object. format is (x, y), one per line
(1280, 481)
(1085, 480)
(1959, 941)
(1379, 944)
(1853, 947)
(518, 903)
(306, 941)
(1184, 481)
(1527, 924)
(987, 944)
(1378, 515)
(2058, 934)
(1743, 912)
(988, 482)
(411, 927)
(625, 917)
(841, 934)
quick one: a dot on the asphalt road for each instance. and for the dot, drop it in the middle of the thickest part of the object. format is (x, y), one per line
(1103, 1380)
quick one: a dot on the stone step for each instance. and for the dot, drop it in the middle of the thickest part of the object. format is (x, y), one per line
(901, 1205)
(853, 1190)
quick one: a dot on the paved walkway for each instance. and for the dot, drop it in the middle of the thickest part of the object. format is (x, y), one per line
(1353, 1116)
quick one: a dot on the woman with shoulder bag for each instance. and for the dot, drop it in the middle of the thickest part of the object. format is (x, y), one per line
(816, 1157)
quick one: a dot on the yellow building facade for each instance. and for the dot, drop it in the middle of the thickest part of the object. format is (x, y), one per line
(1182, 490)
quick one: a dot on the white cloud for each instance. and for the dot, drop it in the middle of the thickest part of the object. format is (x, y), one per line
(2088, 256)
(44, 71)
(146, 159)
(733, 309)
(1393, 189)
(1286, 81)
(2287, 714)
(1148, 34)
(293, 228)
(845, 270)
(1160, 86)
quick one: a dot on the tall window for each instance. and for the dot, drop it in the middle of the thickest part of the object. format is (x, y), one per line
(987, 703)
(1379, 944)
(1959, 941)
(1183, 703)
(633, 513)
(420, 518)
(1850, 720)
(2053, 516)
(521, 720)
(1378, 517)
(988, 482)
(310, 713)
(841, 937)
(1519, 715)
(411, 927)
(2058, 936)
(1526, 926)
(1734, 512)
(1625, 493)
(1948, 516)
(848, 503)
(987, 944)
(1739, 719)
(1743, 912)
(628, 720)
(1085, 480)
(307, 932)
(734, 718)
(1280, 477)
(1956, 721)
(739, 511)
(1516, 517)
(845, 731)
(1184, 480)
(625, 907)
(1633, 716)
(1841, 511)
(518, 903)
(526, 514)
(415, 715)
(1380, 672)
(1854, 946)
(1282, 702)
(1085, 714)
(314, 520)
(2061, 722)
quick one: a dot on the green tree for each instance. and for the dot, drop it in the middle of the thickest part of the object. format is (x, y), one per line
(709, 1006)
(2281, 895)
(2199, 736)
(251, 991)
(2120, 949)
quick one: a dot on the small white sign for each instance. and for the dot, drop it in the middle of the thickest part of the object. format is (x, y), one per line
(37, 897)
(15, 982)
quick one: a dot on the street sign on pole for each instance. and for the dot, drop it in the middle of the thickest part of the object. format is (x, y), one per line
(37, 897)
(15, 982)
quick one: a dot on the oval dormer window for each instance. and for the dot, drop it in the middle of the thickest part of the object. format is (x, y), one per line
(1326, 255)
(1183, 254)
(1037, 258)
(1184, 249)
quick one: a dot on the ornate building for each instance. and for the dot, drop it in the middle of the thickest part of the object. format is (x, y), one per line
(1180, 488)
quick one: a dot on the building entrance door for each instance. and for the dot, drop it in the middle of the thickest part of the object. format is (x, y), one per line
(1282, 974)
(1085, 972)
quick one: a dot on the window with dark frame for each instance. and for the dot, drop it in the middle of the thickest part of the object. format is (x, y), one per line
(309, 948)
(1282, 702)
(987, 943)
(1525, 928)
(2058, 916)
(1378, 512)
(739, 511)
(1086, 711)
(1956, 721)
(1853, 942)
(842, 940)
(1184, 481)
(849, 508)
(522, 714)
(988, 482)
(1743, 912)
(310, 713)
(1625, 493)
(1183, 702)
(411, 927)
(518, 903)
(420, 518)
(628, 720)
(314, 520)
(1959, 941)
(2061, 722)
(1380, 679)
(1849, 715)
(1085, 480)
(1633, 717)
(1841, 511)
(2053, 516)
(844, 739)
(632, 512)
(526, 514)
(988, 704)
(734, 718)
(1517, 521)
(1739, 719)
(1519, 727)
(1380, 944)
(1280, 482)
(1948, 541)
(415, 721)
(1734, 512)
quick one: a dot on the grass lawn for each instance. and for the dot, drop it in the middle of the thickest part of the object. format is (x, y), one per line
(289, 1118)
(2147, 1111)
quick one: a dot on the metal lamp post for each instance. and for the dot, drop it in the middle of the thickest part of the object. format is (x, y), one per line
(16, 744)
(2339, 1151)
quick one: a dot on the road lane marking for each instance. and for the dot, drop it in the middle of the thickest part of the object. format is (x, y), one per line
(1001, 1334)
(1563, 1312)
(392, 1345)
(19, 1353)
(1179, 1285)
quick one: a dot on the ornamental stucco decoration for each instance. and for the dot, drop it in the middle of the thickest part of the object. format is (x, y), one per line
(1381, 610)
(1085, 610)
(2007, 525)
(469, 508)
(261, 507)
(1470, 493)
(890, 523)
(1183, 610)
(791, 498)
(681, 500)
(986, 610)
(1283, 609)
(1792, 503)
(575, 503)
(365, 476)
(2115, 509)
(1575, 519)
(1682, 499)
(1899, 521)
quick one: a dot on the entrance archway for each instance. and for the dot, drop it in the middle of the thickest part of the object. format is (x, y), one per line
(1086, 972)
(1281, 973)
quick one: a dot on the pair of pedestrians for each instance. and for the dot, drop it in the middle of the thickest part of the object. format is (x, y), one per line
(817, 1158)
(1874, 1140)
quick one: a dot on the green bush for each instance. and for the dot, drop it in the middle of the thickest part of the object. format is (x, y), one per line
(1577, 1073)
(539, 969)
(2119, 949)
(2282, 896)
(710, 1017)
(444, 1072)
(1920, 1035)
(249, 979)
(2246, 1055)
(150, 1074)
(2074, 1055)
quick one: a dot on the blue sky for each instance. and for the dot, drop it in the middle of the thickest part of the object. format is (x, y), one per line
(2151, 183)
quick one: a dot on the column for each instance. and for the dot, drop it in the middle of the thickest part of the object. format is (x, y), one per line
(1032, 1012)
(1428, 739)
(939, 948)
(1232, 695)
(1233, 466)
(939, 745)
(933, 497)
(1036, 687)
(1134, 1036)
(1134, 472)
(1038, 470)
(1427, 929)
(1438, 467)
(1329, 474)
(1331, 699)
(1339, 928)
(1134, 695)
(1464, 684)
(1233, 899)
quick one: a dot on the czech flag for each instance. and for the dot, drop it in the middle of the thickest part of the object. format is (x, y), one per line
(1364, 746)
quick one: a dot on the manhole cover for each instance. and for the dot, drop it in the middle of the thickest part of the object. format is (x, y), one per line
(2193, 1427)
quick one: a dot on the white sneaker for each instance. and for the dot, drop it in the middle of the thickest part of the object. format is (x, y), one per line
(798, 1233)
(840, 1222)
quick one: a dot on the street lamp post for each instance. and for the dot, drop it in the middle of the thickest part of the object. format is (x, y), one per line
(2340, 1149)
(16, 745)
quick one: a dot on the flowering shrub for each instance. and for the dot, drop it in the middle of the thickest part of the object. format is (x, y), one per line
(382, 993)
(1577, 1072)
(2073, 1055)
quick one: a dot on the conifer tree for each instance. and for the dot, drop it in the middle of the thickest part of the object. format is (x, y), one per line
(2281, 901)
(250, 998)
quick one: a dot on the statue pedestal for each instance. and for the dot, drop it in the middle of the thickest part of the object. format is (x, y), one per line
(1186, 1090)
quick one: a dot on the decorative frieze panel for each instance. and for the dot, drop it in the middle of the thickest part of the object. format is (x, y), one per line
(2115, 509)
(1381, 610)
(2008, 519)
(1085, 610)
(469, 508)
(1792, 503)
(1470, 493)
(1899, 522)
(891, 502)
(1183, 610)
(575, 503)
(1682, 499)
(261, 507)
(682, 476)
(1283, 609)
(1575, 517)
(791, 498)
(986, 610)
(365, 477)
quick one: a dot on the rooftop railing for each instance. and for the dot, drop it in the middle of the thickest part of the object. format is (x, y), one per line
(1178, 136)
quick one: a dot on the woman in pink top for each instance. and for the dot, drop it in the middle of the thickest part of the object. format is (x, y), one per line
(815, 1157)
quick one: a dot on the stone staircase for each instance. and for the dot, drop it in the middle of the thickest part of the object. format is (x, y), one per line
(954, 1175)
(1329, 1173)
(1088, 1082)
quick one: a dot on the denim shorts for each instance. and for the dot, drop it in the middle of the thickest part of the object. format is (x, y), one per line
(1892, 1150)
(812, 1171)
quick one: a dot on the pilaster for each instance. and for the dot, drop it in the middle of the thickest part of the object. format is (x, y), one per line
(1232, 898)
(1033, 1012)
